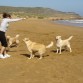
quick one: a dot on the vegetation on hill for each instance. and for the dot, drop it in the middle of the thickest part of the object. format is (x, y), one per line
(39, 12)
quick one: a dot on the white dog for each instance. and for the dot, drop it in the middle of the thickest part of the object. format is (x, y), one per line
(34, 47)
(12, 40)
(62, 43)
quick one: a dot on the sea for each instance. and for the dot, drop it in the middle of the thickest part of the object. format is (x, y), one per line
(78, 23)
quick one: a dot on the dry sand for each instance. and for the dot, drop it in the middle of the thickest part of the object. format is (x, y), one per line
(53, 68)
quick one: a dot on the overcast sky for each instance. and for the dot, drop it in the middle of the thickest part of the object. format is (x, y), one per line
(61, 5)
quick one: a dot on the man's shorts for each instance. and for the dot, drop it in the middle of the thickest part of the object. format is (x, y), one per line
(3, 39)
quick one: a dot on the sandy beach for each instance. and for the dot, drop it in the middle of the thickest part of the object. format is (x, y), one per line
(52, 68)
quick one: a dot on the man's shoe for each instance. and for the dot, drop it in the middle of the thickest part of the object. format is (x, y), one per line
(1, 56)
(7, 55)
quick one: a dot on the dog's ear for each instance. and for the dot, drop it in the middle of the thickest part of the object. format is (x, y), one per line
(26, 39)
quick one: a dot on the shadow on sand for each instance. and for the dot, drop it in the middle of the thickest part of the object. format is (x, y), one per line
(28, 55)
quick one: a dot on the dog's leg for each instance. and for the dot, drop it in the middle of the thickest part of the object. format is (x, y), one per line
(30, 56)
(69, 48)
(57, 50)
(17, 42)
(40, 56)
(10, 43)
(40, 53)
(60, 51)
(31, 53)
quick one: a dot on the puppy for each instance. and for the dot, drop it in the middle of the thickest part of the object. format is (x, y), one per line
(63, 43)
(34, 47)
(13, 40)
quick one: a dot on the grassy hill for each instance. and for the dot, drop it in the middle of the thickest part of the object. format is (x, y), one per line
(37, 12)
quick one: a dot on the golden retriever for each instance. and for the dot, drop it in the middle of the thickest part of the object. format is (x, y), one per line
(13, 40)
(34, 47)
(62, 43)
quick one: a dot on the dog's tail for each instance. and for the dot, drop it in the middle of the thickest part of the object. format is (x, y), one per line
(50, 45)
(70, 38)
(17, 36)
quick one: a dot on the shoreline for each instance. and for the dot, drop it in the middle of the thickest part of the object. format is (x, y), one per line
(76, 23)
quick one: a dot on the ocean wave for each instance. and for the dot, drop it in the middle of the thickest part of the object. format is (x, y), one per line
(75, 21)
(78, 23)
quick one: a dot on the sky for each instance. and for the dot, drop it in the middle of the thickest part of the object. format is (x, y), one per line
(61, 5)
